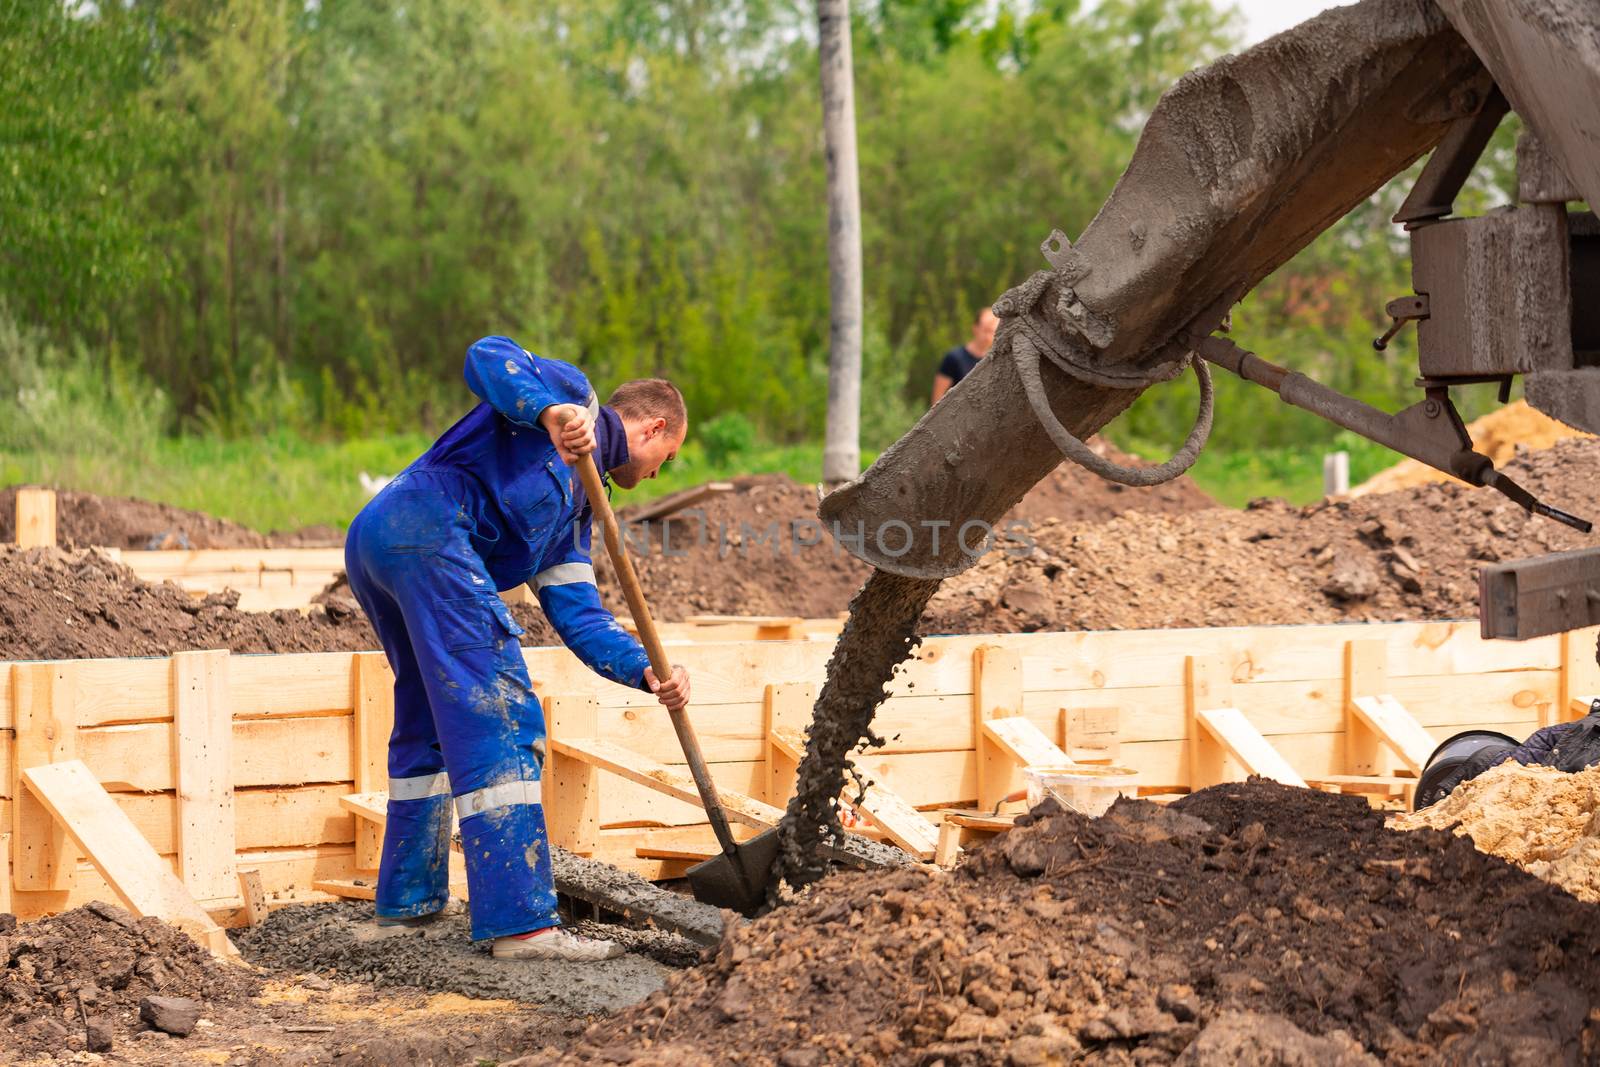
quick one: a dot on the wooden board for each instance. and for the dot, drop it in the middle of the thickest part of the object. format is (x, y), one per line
(672, 781)
(203, 727)
(899, 821)
(36, 517)
(1389, 719)
(1247, 746)
(43, 695)
(1025, 742)
(142, 880)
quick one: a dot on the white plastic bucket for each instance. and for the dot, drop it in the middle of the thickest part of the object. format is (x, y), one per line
(1088, 790)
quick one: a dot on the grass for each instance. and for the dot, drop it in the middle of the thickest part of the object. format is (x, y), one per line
(285, 482)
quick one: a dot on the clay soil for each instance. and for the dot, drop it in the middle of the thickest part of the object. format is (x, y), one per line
(1248, 923)
(1410, 554)
(86, 520)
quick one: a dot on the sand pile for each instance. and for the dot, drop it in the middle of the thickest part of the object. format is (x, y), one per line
(1543, 820)
(95, 964)
(1500, 435)
(1248, 923)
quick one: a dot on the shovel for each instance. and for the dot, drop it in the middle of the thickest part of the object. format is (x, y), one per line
(737, 879)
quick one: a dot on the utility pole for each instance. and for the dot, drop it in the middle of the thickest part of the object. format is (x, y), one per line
(841, 452)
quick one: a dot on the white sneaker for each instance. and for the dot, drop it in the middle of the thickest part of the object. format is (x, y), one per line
(556, 945)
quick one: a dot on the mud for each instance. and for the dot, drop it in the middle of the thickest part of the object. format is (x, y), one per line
(336, 940)
(96, 963)
(1249, 923)
(1545, 821)
(879, 635)
(88, 520)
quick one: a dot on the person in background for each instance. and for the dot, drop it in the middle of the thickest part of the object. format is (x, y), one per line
(959, 361)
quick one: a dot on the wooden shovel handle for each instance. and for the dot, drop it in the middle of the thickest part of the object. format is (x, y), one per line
(595, 490)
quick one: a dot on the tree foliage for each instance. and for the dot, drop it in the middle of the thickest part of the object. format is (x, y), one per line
(295, 214)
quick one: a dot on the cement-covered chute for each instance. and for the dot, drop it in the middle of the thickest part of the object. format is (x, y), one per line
(1240, 166)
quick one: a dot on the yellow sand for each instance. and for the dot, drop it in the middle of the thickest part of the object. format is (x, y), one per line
(1541, 819)
(1497, 435)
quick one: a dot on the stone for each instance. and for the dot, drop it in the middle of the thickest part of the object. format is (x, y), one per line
(97, 1034)
(171, 1015)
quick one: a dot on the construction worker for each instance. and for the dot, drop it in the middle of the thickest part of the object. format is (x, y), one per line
(960, 360)
(493, 504)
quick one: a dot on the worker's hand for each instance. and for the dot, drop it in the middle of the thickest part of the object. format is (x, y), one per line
(573, 439)
(674, 692)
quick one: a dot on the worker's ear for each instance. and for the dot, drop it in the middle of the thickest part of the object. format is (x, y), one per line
(658, 426)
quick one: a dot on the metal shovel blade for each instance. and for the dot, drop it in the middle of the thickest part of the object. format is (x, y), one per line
(737, 880)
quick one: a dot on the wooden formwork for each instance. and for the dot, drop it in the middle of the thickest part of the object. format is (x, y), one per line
(229, 763)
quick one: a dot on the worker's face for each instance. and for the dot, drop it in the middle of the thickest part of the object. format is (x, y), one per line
(650, 444)
(983, 333)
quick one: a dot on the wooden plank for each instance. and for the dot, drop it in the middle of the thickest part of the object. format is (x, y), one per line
(123, 690)
(43, 697)
(1089, 734)
(347, 888)
(948, 849)
(36, 517)
(1365, 675)
(178, 562)
(265, 752)
(668, 780)
(997, 694)
(265, 817)
(142, 880)
(302, 683)
(899, 821)
(661, 507)
(254, 894)
(372, 696)
(786, 714)
(571, 787)
(1024, 742)
(1253, 752)
(1389, 719)
(203, 725)
(1208, 686)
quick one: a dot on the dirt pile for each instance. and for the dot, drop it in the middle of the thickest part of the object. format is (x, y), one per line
(760, 549)
(1500, 435)
(94, 964)
(1249, 923)
(79, 605)
(1544, 820)
(86, 520)
(1411, 554)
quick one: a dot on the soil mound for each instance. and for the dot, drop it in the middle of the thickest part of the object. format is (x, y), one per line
(760, 549)
(1411, 554)
(1543, 820)
(96, 963)
(1248, 923)
(80, 605)
(1500, 435)
(1071, 494)
(85, 520)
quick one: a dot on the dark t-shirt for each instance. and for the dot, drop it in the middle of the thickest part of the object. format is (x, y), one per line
(957, 363)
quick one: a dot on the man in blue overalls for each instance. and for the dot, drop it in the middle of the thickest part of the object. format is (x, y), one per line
(493, 504)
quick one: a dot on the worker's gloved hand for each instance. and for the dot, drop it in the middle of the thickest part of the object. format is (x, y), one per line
(571, 430)
(674, 692)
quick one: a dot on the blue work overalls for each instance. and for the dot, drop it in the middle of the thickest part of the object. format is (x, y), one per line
(488, 507)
